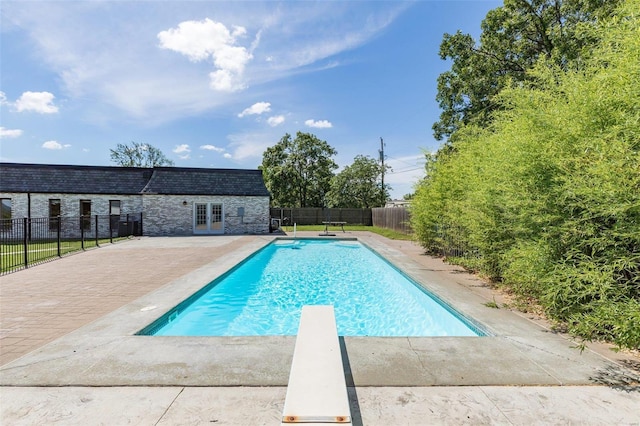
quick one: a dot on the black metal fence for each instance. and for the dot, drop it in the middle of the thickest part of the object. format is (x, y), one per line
(450, 242)
(30, 241)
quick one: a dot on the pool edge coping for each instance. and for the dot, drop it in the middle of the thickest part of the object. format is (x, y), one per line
(103, 354)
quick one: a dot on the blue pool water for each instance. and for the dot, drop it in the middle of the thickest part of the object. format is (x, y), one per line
(264, 296)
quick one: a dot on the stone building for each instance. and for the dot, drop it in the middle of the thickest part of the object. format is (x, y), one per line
(172, 200)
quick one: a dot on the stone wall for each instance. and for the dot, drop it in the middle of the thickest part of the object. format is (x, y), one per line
(166, 215)
(163, 215)
(255, 219)
(19, 203)
(70, 209)
(69, 204)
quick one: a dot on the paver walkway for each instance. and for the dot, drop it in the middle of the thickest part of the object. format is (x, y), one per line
(42, 303)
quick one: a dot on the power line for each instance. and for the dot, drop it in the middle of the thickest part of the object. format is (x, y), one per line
(418, 160)
(405, 171)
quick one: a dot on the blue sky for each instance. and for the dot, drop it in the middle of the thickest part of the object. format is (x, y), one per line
(213, 83)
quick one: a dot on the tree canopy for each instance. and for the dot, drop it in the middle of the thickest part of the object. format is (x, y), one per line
(139, 155)
(298, 171)
(546, 200)
(359, 185)
(513, 37)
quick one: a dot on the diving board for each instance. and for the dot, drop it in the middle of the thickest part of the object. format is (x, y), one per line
(317, 390)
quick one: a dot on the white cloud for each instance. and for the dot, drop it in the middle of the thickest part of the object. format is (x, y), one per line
(41, 102)
(182, 151)
(301, 38)
(100, 51)
(207, 39)
(54, 145)
(227, 155)
(275, 120)
(257, 108)
(320, 124)
(10, 133)
(3, 98)
(211, 148)
(248, 146)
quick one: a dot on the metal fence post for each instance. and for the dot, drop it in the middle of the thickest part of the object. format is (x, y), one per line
(82, 231)
(25, 242)
(97, 244)
(59, 229)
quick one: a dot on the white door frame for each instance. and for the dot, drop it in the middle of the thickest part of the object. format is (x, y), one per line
(204, 218)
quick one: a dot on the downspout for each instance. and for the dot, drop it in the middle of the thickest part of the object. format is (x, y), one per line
(143, 192)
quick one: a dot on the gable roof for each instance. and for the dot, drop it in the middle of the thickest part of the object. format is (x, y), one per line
(68, 179)
(64, 179)
(192, 181)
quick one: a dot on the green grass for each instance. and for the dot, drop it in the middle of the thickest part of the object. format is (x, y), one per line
(12, 257)
(388, 233)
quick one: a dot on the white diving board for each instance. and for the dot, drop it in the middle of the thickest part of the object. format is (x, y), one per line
(317, 391)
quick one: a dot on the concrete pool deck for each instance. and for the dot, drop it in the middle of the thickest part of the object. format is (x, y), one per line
(69, 352)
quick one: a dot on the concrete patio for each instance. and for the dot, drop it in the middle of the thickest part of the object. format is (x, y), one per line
(69, 354)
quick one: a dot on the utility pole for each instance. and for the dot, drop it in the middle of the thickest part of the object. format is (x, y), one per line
(381, 151)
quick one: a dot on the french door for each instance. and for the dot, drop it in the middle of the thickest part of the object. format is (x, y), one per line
(208, 218)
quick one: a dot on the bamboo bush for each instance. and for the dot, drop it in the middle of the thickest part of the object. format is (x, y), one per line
(549, 195)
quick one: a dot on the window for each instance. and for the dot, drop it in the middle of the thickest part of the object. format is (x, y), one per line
(114, 207)
(5, 213)
(85, 212)
(54, 213)
(114, 213)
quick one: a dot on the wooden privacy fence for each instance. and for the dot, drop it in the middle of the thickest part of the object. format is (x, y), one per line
(396, 218)
(317, 215)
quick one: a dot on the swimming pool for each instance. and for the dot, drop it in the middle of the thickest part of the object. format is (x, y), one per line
(264, 295)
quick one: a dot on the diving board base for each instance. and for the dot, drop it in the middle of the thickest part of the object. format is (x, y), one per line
(317, 390)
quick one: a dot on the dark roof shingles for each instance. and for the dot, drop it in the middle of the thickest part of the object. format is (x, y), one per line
(46, 178)
(183, 181)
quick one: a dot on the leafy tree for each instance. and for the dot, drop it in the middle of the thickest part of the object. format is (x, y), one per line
(546, 200)
(139, 155)
(298, 171)
(359, 185)
(513, 37)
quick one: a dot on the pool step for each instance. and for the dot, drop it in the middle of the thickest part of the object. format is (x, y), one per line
(317, 391)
